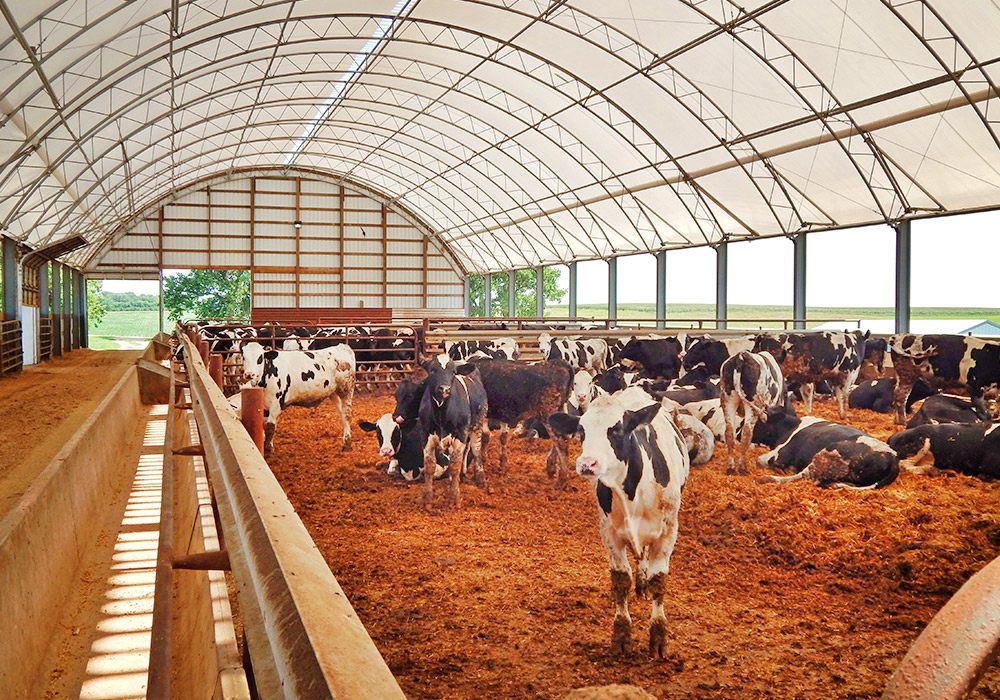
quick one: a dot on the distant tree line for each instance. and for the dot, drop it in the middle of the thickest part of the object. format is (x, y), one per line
(130, 301)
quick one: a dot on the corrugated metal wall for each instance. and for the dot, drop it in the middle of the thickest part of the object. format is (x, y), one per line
(350, 249)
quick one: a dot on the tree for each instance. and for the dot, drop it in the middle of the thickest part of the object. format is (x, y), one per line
(96, 307)
(524, 292)
(214, 294)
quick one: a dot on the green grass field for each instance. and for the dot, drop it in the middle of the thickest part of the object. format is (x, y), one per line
(690, 312)
(132, 326)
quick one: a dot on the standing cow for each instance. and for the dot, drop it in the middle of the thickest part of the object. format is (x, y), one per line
(750, 383)
(945, 362)
(297, 378)
(452, 416)
(590, 355)
(637, 461)
(809, 358)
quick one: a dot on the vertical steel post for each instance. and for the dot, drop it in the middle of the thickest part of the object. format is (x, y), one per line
(467, 292)
(252, 414)
(44, 292)
(572, 290)
(487, 296)
(612, 292)
(903, 251)
(511, 299)
(215, 370)
(721, 285)
(57, 343)
(79, 310)
(799, 280)
(540, 292)
(661, 289)
(11, 292)
(67, 307)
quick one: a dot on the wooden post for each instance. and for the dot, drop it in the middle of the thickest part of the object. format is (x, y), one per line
(215, 369)
(203, 351)
(252, 414)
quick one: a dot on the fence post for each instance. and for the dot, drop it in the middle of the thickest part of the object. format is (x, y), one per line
(252, 414)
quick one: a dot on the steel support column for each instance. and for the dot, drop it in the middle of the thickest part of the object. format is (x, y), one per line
(11, 292)
(799, 280)
(721, 284)
(67, 307)
(661, 288)
(55, 280)
(511, 297)
(79, 310)
(572, 290)
(487, 296)
(44, 292)
(466, 291)
(612, 292)
(540, 292)
(902, 277)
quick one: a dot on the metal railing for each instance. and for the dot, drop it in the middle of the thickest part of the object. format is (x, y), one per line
(11, 352)
(304, 638)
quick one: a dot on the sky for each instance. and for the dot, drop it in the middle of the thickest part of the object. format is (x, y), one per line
(953, 264)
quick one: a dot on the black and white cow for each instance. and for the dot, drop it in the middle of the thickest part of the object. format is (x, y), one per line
(300, 378)
(590, 355)
(944, 362)
(498, 349)
(403, 445)
(637, 461)
(942, 408)
(703, 359)
(583, 392)
(968, 448)
(659, 358)
(876, 394)
(808, 358)
(452, 416)
(750, 383)
(828, 454)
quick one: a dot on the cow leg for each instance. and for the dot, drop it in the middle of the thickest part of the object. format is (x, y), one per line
(269, 427)
(621, 584)
(430, 466)
(729, 415)
(346, 412)
(808, 390)
(899, 395)
(659, 567)
(840, 392)
(477, 442)
(749, 421)
(556, 462)
(504, 437)
(456, 458)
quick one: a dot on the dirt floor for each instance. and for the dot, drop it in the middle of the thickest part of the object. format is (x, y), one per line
(774, 591)
(43, 405)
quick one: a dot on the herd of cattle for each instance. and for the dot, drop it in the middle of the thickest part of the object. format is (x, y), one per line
(646, 409)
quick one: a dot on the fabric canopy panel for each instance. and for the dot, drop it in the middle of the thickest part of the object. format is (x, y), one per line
(520, 132)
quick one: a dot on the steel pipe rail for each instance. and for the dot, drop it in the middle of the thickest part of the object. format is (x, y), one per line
(304, 638)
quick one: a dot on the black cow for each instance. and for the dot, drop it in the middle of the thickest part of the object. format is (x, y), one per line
(968, 448)
(703, 359)
(941, 408)
(452, 415)
(876, 394)
(826, 453)
(947, 363)
(808, 358)
(516, 391)
(660, 358)
(685, 393)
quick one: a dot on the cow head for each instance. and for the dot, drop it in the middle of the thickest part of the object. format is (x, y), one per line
(253, 363)
(408, 395)
(441, 371)
(605, 429)
(777, 423)
(584, 390)
(908, 443)
(387, 432)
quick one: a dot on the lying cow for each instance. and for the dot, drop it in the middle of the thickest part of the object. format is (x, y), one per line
(942, 408)
(590, 355)
(403, 445)
(297, 378)
(828, 454)
(452, 416)
(637, 461)
(659, 359)
(751, 382)
(876, 394)
(944, 362)
(968, 448)
(698, 438)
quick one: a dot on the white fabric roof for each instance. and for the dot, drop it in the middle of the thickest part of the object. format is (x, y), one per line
(521, 132)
